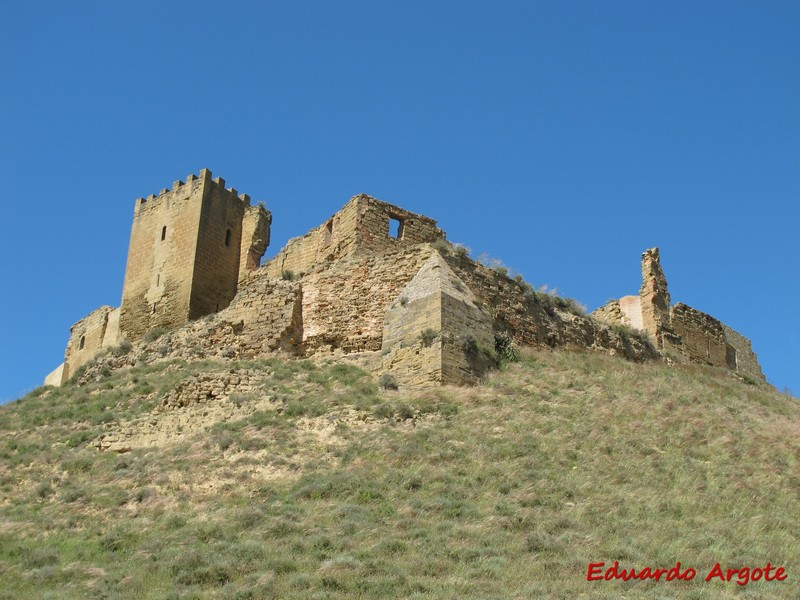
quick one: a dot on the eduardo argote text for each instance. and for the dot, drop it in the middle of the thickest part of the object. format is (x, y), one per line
(742, 576)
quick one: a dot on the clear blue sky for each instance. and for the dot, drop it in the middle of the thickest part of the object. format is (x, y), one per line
(563, 138)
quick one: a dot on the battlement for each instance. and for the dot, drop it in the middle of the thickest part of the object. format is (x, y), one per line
(189, 247)
(181, 188)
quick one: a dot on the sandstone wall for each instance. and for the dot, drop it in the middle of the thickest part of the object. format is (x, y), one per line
(344, 303)
(375, 226)
(536, 320)
(363, 225)
(702, 336)
(56, 376)
(86, 339)
(215, 273)
(184, 254)
(625, 311)
(255, 239)
(161, 257)
(740, 354)
(654, 296)
(435, 301)
(264, 317)
(333, 239)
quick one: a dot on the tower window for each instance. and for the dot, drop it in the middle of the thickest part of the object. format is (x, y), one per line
(396, 228)
(83, 341)
(163, 233)
(228, 237)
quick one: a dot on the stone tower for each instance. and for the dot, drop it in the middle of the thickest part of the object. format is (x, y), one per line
(189, 248)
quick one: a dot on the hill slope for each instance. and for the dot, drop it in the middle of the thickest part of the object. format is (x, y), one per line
(309, 482)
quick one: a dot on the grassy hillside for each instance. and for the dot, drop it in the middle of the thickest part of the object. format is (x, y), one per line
(319, 485)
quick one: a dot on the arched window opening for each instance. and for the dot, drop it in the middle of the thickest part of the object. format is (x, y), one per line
(228, 237)
(163, 233)
(83, 341)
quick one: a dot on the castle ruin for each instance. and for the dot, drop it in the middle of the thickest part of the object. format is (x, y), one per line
(375, 283)
(680, 332)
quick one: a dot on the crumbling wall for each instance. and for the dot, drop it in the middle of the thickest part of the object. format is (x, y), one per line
(86, 339)
(265, 317)
(344, 303)
(384, 227)
(433, 332)
(363, 225)
(255, 238)
(740, 355)
(702, 336)
(681, 332)
(335, 238)
(654, 297)
(538, 320)
(625, 311)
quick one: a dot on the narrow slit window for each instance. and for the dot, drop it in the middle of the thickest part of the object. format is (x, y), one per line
(83, 341)
(163, 233)
(228, 237)
(396, 228)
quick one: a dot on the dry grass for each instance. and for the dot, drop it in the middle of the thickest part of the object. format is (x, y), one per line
(506, 490)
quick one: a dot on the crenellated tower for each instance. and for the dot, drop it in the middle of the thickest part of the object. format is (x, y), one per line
(189, 248)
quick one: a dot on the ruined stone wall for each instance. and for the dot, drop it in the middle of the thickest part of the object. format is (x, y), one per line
(344, 304)
(610, 312)
(363, 225)
(333, 239)
(375, 226)
(266, 316)
(740, 355)
(86, 339)
(437, 302)
(625, 311)
(702, 336)
(654, 296)
(536, 320)
(255, 239)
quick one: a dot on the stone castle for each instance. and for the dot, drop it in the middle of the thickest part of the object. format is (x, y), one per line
(374, 282)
